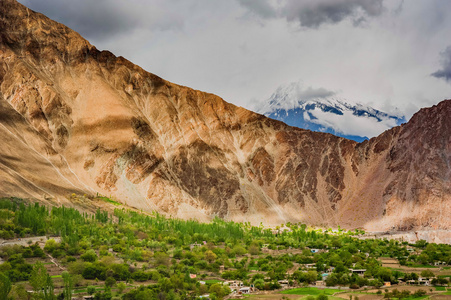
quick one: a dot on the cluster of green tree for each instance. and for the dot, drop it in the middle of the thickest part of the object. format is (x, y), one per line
(15, 267)
(166, 290)
(403, 294)
(109, 247)
(430, 253)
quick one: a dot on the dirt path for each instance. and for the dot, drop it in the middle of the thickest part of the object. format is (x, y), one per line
(41, 240)
(55, 262)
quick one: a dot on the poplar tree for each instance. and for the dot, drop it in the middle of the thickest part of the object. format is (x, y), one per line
(5, 286)
(68, 285)
(41, 282)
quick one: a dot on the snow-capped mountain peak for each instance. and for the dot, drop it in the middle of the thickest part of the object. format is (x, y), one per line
(321, 110)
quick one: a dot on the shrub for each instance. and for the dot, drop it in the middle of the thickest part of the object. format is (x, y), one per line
(91, 290)
(419, 293)
(322, 297)
(110, 281)
(89, 256)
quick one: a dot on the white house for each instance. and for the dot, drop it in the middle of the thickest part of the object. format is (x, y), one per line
(245, 290)
(358, 271)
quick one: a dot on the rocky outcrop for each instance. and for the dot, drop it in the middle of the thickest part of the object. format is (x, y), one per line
(78, 120)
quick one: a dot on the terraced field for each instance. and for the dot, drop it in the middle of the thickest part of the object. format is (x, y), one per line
(393, 263)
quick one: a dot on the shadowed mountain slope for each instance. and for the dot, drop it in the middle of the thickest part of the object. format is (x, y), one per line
(74, 119)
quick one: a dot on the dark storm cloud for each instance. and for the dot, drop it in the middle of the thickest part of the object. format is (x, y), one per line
(105, 18)
(313, 14)
(315, 93)
(445, 72)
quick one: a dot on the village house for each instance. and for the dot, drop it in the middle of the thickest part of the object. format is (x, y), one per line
(320, 283)
(310, 266)
(359, 272)
(246, 290)
(284, 283)
(233, 283)
(194, 245)
(424, 281)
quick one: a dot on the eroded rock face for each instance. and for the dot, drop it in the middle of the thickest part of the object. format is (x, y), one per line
(75, 119)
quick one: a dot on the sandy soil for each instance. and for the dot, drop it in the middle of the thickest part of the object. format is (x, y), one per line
(441, 297)
(361, 296)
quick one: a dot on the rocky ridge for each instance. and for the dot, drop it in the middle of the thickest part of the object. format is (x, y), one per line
(74, 119)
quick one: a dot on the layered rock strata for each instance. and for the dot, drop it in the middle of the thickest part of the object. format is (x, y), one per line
(74, 119)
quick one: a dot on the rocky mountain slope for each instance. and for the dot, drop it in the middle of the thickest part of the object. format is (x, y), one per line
(296, 106)
(74, 119)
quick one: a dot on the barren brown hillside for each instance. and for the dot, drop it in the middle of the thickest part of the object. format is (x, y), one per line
(74, 119)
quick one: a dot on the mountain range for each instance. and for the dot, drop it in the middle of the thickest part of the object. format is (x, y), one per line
(299, 107)
(75, 120)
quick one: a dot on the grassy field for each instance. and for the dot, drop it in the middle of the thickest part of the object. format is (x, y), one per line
(423, 266)
(311, 291)
(279, 296)
(84, 290)
(212, 281)
(416, 298)
(108, 200)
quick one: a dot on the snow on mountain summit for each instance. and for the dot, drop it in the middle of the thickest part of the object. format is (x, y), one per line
(321, 110)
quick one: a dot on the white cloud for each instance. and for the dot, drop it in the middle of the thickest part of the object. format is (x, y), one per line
(350, 124)
(290, 96)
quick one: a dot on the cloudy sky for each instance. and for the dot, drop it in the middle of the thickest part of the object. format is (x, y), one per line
(386, 53)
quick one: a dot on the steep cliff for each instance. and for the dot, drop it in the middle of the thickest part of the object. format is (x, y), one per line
(78, 120)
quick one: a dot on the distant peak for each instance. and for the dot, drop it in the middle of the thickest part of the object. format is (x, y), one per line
(293, 95)
(319, 109)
